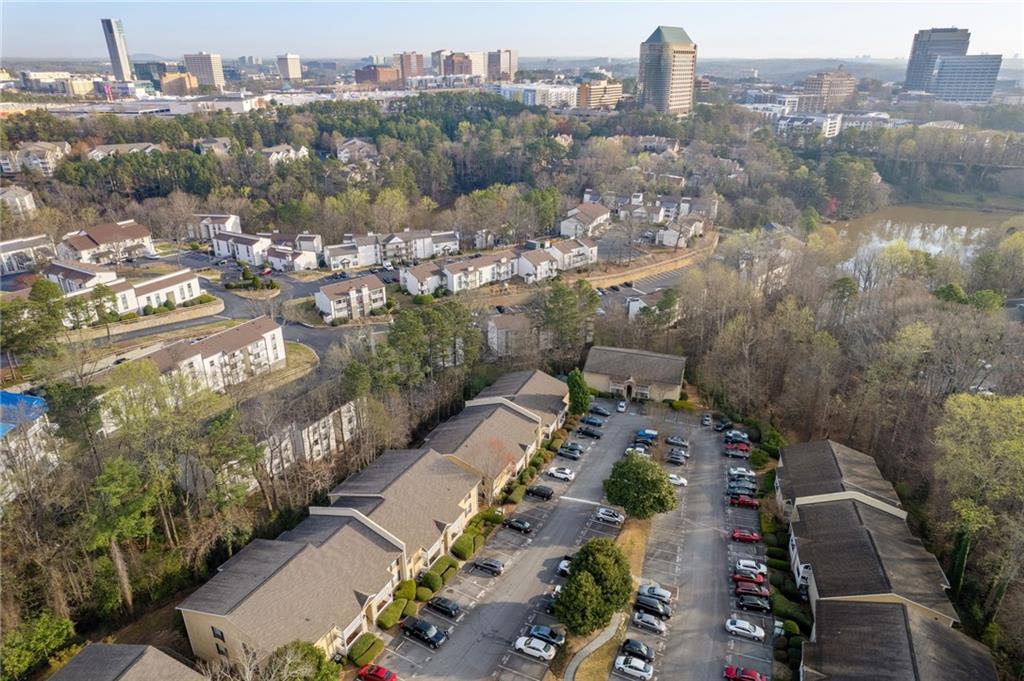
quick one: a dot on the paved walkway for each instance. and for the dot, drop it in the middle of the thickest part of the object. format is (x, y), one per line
(604, 637)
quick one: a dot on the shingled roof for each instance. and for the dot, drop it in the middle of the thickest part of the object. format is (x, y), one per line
(642, 366)
(104, 662)
(487, 437)
(826, 467)
(541, 393)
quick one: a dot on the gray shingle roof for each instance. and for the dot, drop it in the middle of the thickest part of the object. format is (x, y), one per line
(485, 437)
(643, 367)
(826, 466)
(542, 394)
(669, 34)
(104, 662)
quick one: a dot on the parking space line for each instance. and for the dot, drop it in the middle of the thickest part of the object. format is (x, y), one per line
(397, 654)
(518, 673)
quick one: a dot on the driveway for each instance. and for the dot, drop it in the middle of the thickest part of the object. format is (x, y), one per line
(498, 610)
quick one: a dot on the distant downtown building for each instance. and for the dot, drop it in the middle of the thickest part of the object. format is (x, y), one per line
(929, 44)
(289, 66)
(600, 94)
(502, 65)
(968, 78)
(113, 31)
(668, 66)
(207, 68)
(409, 65)
(835, 89)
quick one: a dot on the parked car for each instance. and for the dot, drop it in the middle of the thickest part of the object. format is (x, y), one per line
(736, 488)
(621, 407)
(647, 621)
(705, 420)
(734, 673)
(753, 603)
(750, 589)
(633, 667)
(752, 565)
(737, 434)
(445, 606)
(610, 516)
(567, 453)
(676, 451)
(746, 535)
(644, 441)
(743, 501)
(547, 634)
(655, 591)
(747, 576)
(639, 450)
(677, 480)
(519, 525)
(540, 491)
(742, 446)
(744, 629)
(547, 603)
(534, 647)
(592, 421)
(648, 433)
(491, 565)
(740, 470)
(599, 410)
(676, 460)
(719, 427)
(653, 606)
(587, 431)
(573, 445)
(677, 441)
(561, 473)
(373, 672)
(635, 648)
(736, 453)
(615, 288)
(628, 284)
(563, 568)
(424, 631)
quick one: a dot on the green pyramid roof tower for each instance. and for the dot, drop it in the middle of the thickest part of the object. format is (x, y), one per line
(669, 34)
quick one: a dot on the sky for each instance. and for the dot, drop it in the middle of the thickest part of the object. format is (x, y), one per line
(723, 29)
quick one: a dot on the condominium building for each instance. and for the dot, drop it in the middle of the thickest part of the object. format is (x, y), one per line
(967, 78)
(502, 64)
(835, 88)
(289, 66)
(39, 157)
(206, 226)
(929, 44)
(377, 74)
(458, 64)
(19, 201)
(409, 65)
(22, 255)
(601, 94)
(351, 299)
(826, 125)
(207, 68)
(113, 31)
(110, 242)
(539, 94)
(27, 441)
(668, 65)
(179, 84)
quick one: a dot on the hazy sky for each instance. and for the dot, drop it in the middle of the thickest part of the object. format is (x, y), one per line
(337, 29)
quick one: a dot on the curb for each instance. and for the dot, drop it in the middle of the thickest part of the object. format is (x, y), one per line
(585, 652)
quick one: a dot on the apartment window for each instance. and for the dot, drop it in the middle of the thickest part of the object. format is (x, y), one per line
(218, 634)
(221, 650)
(124, 301)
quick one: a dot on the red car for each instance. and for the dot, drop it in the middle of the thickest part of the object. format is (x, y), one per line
(742, 446)
(748, 589)
(741, 674)
(744, 534)
(372, 672)
(748, 577)
(744, 500)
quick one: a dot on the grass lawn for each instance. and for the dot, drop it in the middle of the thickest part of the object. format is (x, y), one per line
(160, 627)
(302, 310)
(301, 359)
(308, 275)
(597, 666)
(209, 273)
(633, 542)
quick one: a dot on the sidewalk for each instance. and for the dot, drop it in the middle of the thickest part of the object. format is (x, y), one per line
(604, 637)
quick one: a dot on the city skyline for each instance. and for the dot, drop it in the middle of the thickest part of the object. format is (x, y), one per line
(173, 29)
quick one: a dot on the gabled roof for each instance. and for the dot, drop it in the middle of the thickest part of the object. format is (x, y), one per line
(104, 662)
(109, 233)
(25, 242)
(537, 256)
(643, 367)
(589, 212)
(166, 281)
(669, 34)
(341, 288)
(570, 245)
(487, 437)
(227, 341)
(541, 393)
(824, 467)
(425, 270)
(74, 270)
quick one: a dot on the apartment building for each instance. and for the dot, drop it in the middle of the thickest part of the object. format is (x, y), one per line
(355, 149)
(123, 662)
(102, 151)
(175, 289)
(19, 201)
(207, 68)
(676, 234)
(37, 157)
(178, 84)
(283, 153)
(541, 394)
(635, 374)
(361, 251)
(25, 254)
(288, 259)
(107, 243)
(246, 248)
(426, 278)
(502, 65)
(835, 89)
(537, 265)
(351, 299)
(570, 254)
(585, 220)
(73, 275)
(476, 272)
(826, 125)
(219, 146)
(205, 226)
(599, 94)
(409, 65)
(27, 441)
(514, 333)
(407, 245)
(228, 357)
(289, 66)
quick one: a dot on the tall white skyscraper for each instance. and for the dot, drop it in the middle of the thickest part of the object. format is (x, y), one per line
(113, 31)
(289, 66)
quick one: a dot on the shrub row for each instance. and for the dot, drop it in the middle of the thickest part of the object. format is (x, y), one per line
(423, 593)
(777, 564)
(406, 589)
(390, 615)
(463, 548)
(432, 581)
(411, 609)
(759, 459)
(365, 650)
(787, 609)
(777, 552)
(443, 563)
(516, 495)
(555, 444)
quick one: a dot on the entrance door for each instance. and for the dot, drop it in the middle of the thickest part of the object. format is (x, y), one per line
(629, 391)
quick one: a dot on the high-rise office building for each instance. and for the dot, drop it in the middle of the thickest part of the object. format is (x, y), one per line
(502, 65)
(668, 66)
(437, 58)
(965, 78)
(377, 74)
(835, 88)
(929, 44)
(113, 31)
(409, 65)
(206, 67)
(289, 66)
(599, 94)
(458, 64)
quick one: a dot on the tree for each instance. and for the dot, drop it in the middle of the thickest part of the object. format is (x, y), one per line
(603, 560)
(640, 486)
(76, 411)
(300, 661)
(28, 646)
(580, 605)
(579, 393)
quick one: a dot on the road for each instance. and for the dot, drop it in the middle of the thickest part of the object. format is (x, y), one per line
(498, 610)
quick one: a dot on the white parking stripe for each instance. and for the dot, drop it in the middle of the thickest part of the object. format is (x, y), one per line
(581, 501)
(518, 673)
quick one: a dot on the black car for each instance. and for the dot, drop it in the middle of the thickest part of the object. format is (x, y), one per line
(627, 283)
(746, 490)
(592, 421)
(500, 309)
(491, 565)
(424, 631)
(547, 634)
(445, 606)
(613, 287)
(519, 525)
(753, 603)
(573, 445)
(653, 607)
(645, 441)
(590, 431)
(573, 454)
(540, 491)
(547, 604)
(599, 410)
(719, 427)
(635, 648)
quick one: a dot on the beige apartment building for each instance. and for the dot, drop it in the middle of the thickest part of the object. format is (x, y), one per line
(668, 66)
(207, 68)
(602, 94)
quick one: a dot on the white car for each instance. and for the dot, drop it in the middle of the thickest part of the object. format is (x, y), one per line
(563, 568)
(740, 470)
(642, 620)
(677, 480)
(752, 565)
(633, 667)
(561, 473)
(534, 647)
(607, 515)
(621, 407)
(745, 629)
(639, 450)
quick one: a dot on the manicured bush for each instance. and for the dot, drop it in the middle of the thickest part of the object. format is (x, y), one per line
(780, 655)
(378, 312)
(449, 573)
(491, 516)
(169, 304)
(432, 581)
(160, 310)
(517, 494)
(796, 641)
(370, 654)
(555, 444)
(362, 644)
(768, 523)
(390, 615)
(537, 461)
(787, 609)
(549, 456)
(790, 627)
(339, 322)
(422, 299)
(776, 578)
(406, 589)
(423, 593)
(781, 643)
(411, 609)
(129, 315)
(777, 564)
(147, 310)
(770, 540)
(463, 548)
(777, 553)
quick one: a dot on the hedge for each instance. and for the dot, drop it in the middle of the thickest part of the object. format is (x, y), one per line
(776, 552)
(759, 459)
(770, 540)
(463, 548)
(767, 487)
(787, 609)
(516, 495)
(443, 563)
(432, 581)
(406, 589)
(371, 652)
(776, 579)
(390, 615)
(423, 593)
(768, 523)
(790, 627)
(556, 444)
(777, 564)
(362, 644)
(478, 542)
(422, 299)
(449, 573)
(411, 609)
(537, 461)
